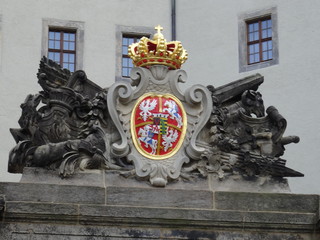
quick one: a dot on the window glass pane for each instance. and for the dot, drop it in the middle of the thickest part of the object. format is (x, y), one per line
(51, 56)
(51, 35)
(251, 49)
(264, 24)
(124, 41)
(256, 36)
(66, 45)
(72, 37)
(124, 50)
(131, 40)
(125, 62)
(65, 57)
(250, 37)
(270, 54)
(269, 33)
(71, 58)
(256, 57)
(66, 36)
(256, 47)
(56, 44)
(57, 35)
(130, 63)
(128, 71)
(72, 46)
(264, 46)
(57, 57)
(269, 24)
(71, 67)
(265, 56)
(250, 27)
(51, 44)
(65, 65)
(270, 45)
(264, 34)
(251, 59)
(256, 26)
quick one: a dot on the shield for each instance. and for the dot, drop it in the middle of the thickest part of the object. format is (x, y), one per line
(158, 125)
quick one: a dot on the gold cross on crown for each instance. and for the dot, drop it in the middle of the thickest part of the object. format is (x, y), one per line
(159, 29)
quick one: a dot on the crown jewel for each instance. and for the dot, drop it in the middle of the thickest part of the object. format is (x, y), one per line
(157, 51)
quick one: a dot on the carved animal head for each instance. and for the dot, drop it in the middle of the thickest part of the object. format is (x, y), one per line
(253, 103)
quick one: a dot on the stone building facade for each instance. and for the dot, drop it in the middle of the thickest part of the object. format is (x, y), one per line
(213, 32)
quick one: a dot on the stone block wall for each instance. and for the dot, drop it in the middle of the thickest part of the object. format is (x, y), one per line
(100, 205)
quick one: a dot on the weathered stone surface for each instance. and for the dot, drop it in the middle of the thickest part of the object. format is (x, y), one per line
(73, 232)
(246, 201)
(236, 183)
(114, 179)
(87, 177)
(45, 212)
(154, 216)
(1, 202)
(35, 192)
(279, 220)
(41, 208)
(232, 234)
(159, 197)
(82, 232)
(52, 211)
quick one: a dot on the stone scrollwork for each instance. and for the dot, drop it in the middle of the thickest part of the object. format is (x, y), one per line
(149, 128)
(242, 139)
(63, 127)
(198, 95)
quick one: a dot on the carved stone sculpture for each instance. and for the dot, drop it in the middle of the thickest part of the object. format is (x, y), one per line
(149, 128)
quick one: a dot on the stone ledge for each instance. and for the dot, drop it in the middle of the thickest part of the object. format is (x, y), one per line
(156, 217)
(46, 176)
(109, 178)
(76, 232)
(279, 202)
(175, 198)
(36, 192)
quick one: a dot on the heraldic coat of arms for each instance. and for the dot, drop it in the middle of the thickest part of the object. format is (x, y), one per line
(148, 127)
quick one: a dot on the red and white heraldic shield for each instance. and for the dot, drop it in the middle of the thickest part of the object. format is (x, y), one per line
(158, 125)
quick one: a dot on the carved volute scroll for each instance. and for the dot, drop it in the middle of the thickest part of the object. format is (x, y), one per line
(196, 103)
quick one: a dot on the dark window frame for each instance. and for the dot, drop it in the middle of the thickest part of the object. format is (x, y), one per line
(61, 49)
(245, 17)
(260, 39)
(136, 37)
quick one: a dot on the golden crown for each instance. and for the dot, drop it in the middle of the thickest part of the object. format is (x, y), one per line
(158, 51)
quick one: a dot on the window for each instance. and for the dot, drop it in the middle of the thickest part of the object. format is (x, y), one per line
(127, 64)
(63, 42)
(125, 36)
(258, 40)
(62, 48)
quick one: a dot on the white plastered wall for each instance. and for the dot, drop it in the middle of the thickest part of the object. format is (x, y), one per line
(208, 29)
